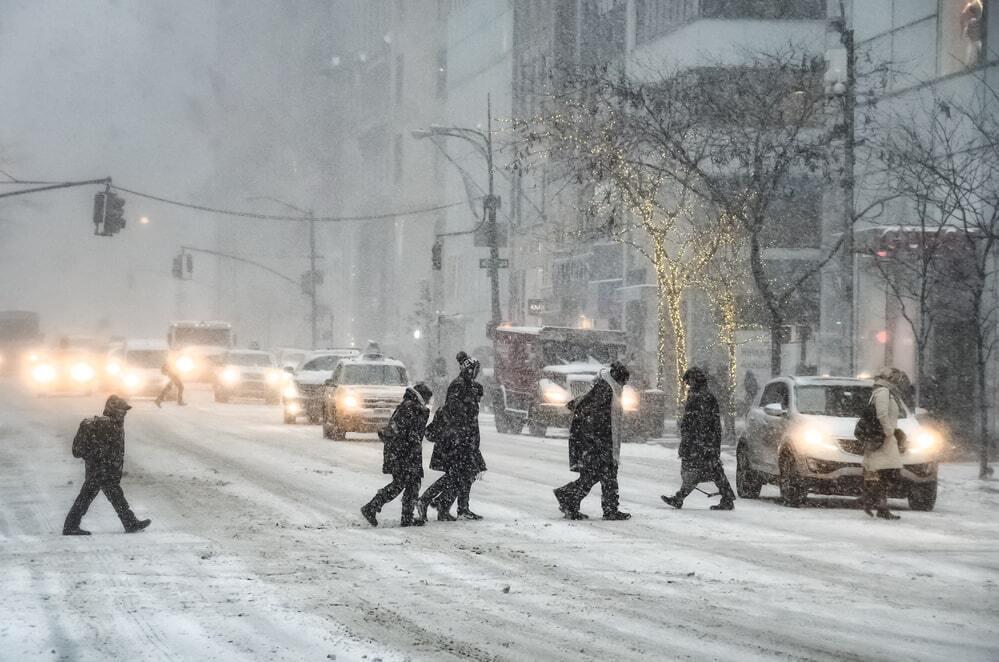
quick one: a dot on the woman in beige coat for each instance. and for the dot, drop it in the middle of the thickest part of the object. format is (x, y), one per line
(883, 467)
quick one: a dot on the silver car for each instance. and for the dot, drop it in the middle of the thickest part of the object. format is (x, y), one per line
(799, 435)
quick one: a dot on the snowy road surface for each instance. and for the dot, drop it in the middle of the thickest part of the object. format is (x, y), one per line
(257, 552)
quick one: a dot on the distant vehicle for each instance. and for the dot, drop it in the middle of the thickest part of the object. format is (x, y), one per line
(244, 373)
(20, 335)
(362, 394)
(63, 371)
(135, 368)
(198, 346)
(302, 395)
(540, 369)
(288, 357)
(799, 435)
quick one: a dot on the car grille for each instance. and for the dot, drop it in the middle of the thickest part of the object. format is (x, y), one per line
(310, 390)
(852, 446)
(379, 403)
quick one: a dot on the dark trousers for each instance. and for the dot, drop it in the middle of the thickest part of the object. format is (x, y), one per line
(173, 383)
(572, 494)
(93, 484)
(453, 485)
(876, 487)
(704, 472)
(405, 483)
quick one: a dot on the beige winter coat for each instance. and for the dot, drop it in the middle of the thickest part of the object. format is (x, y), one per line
(886, 457)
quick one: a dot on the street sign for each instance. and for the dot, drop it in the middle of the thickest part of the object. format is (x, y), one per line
(536, 306)
(501, 263)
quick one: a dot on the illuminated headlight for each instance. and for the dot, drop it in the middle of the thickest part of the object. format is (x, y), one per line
(132, 381)
(349, 401)
(924, 439)
(815, 438)
(293, 408)
(629, 399)
(185, 364)
(113, 368)
(230, 375)
(43, 374)
(81, 372)
(555, 395)
(273, 377)
(33, 357)
(290, 391)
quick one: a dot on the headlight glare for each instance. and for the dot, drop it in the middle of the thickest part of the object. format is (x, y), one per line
(349, 401)
(629, 399)
(43, 373)
(230, 375)
(81, 372)
(555, 394)
(185, 364)
(290, 391)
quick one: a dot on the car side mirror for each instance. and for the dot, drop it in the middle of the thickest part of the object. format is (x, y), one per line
(773, 409)
(330, 382)
(289, 370)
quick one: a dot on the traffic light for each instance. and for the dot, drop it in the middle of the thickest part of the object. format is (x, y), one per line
(189, 263)
(99, 213)
(114, 214)
(436, 255)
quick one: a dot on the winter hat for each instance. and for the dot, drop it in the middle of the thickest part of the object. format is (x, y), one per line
(695, 377)
(619, 372)
(115, 404)
(423, 391)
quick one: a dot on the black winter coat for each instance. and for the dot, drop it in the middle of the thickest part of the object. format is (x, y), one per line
(403, 436)
(102, 447)
(591, 441)
(457, 425)
(700, 428)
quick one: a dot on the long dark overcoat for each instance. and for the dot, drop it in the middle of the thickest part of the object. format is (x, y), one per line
(700, 428)
(403, 436)
(457, 424)
(101, 444)
(591, 440)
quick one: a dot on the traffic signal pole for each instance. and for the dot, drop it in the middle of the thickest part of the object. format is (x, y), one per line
(51, 187)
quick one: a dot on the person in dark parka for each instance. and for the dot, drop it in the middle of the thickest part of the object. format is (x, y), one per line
(595, 445)
(403, 455)
(100, 441)
(455, 433)
(700, 443)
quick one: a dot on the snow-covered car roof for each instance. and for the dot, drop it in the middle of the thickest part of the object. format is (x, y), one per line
(373, 359)
(339, 353)
(146, 345)
(247, 352)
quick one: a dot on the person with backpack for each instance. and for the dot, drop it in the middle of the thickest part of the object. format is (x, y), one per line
(403, 455)
(700, 443)
(878, 429)
(171, 372)
(100, 442)
(595, 435)
(455, 435)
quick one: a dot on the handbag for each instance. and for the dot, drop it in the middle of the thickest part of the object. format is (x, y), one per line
(868, 430)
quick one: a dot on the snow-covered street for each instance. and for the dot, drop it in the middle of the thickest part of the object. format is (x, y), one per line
(257, 551)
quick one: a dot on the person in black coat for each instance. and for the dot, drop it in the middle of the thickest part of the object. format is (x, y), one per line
(595, 445)
(700, 443)
(403, 455)
(100, 441)
(455, 435)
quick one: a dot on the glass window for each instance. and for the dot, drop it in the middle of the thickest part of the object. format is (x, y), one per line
(372, 375)
(321, 363)
(775, 393)
(147, 358)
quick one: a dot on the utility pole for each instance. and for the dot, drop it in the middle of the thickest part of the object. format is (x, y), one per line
(849, 164)
(491, 203)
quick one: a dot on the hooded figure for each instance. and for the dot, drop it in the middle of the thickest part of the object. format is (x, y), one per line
(100, 442)
(883, 466)
(595, 435)
(403, 455)
(455, 434)
(700, 443)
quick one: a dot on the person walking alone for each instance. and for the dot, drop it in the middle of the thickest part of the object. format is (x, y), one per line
(883, 465)
(455, 435)
(403, 455)
(700, 443)
(595, 445)
(170, 371)
(100, 441)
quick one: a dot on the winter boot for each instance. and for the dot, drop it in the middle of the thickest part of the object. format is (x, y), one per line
(674, 501)
(575, 515)
(617, 516)
(726, 504)
(421, 512)
(368, 511)
(445, 516)
(884, 513)
(138, 525)
(468, 514)
(75, 532)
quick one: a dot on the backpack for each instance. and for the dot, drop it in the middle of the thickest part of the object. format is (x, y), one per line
(868, 430)
(85, 440)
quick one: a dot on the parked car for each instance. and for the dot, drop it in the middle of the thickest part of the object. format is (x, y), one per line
(247, 373)
(302, 394)
(134, 368)
(362, 394)
(799, 435)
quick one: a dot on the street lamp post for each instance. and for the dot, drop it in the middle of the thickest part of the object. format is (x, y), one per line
(483, 141)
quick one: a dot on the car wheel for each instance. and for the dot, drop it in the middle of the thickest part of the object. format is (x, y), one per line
(290, 419)
(748, 482)
(514, 424)
(792, 488)
(923, 496)
(537, 429)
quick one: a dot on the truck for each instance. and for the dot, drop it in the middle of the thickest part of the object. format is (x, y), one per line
(538, 370)
(19, 335)
(198, 346)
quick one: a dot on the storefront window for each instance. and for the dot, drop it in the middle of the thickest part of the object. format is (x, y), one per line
(962, 34)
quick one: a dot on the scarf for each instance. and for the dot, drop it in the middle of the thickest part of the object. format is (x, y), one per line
(617, 412)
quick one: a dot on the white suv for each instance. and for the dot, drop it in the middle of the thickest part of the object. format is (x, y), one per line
(362, 395)
(799, 435)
